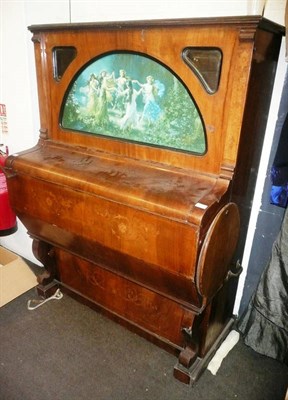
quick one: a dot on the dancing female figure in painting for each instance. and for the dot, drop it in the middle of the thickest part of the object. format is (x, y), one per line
(92, 95)
(150, 91)
(107, 86)
(121, 90)
(130, 118)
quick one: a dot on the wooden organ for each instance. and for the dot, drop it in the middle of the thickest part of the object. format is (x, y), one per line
(138, 192)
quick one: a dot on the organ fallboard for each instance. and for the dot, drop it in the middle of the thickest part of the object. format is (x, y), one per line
(138, 192)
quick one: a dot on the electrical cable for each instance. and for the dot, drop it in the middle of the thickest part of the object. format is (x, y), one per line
(56, 296)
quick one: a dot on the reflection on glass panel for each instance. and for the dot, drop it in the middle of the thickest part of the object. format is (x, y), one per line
(132, 97)
(206, 64)
(62, 57)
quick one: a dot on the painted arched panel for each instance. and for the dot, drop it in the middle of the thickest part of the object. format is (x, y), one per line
(129, 96)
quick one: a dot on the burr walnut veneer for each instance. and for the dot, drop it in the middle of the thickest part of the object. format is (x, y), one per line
(140, 186)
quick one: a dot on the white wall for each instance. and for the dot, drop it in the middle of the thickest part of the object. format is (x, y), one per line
(151, 9)
(18, 81)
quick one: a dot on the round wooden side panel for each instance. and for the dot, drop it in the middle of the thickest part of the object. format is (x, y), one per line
(217, 250)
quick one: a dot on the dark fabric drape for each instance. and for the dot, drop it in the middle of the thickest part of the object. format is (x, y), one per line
(265, 323)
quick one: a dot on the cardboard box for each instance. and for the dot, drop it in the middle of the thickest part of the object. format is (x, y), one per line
(16, 277)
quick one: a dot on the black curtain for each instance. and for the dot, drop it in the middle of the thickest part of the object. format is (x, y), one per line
(264, 325)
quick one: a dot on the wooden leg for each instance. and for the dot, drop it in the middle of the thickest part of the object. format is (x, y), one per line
(44, 252)
(202, 339)
(188, 355)
(192, 371)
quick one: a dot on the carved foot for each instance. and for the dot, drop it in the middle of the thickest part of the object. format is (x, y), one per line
(186, 360)
(48, 290)
(188, 356)
(44, 252)
(190, 365)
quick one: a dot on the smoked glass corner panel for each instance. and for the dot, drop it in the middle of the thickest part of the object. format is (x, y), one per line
(206, 64)
(62, 57)
(129, 96)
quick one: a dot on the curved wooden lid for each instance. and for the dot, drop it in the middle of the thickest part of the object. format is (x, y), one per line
(217, 250)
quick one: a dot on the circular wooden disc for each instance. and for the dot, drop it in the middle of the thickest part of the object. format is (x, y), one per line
(217, 250)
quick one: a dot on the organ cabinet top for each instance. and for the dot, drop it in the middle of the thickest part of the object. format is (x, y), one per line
(138, 192)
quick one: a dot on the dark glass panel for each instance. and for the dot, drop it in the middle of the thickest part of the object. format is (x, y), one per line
(62, 57)
(206, 64)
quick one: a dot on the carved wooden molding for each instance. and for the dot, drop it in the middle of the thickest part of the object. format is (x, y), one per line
(247, 33)
(43, 133)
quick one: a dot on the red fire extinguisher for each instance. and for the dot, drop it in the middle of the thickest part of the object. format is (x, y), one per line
(8, 222)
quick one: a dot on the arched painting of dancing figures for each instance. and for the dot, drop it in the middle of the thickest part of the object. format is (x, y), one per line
(133, 97)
